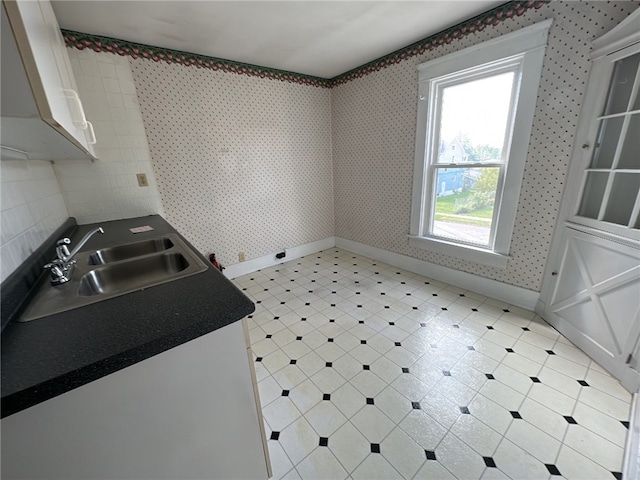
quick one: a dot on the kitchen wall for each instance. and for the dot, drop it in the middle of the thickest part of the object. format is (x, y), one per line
(108, 189)
(243, 164)
(32, 208)
(373, 134)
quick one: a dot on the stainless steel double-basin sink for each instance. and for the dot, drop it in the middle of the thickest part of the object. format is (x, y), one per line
(113, 271)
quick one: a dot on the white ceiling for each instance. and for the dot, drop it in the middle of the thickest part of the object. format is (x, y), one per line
(319, 38)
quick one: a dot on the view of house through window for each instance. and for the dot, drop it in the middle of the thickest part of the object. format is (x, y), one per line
(473, 125)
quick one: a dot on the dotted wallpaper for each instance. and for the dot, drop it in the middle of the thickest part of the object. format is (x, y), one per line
(243, 164)
(373, 134)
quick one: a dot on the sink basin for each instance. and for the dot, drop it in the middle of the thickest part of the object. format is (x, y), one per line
(133, 274)
(116, 270)
(129, 250)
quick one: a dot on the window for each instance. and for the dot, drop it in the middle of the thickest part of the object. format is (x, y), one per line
(610, 193)
(479, 103)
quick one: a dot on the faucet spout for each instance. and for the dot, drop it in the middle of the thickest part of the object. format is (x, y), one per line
(81, 243)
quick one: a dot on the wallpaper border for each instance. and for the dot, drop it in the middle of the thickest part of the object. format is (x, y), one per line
(492, 17)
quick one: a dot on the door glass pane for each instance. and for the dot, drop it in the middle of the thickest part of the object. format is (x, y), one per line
(464, 203)
(624, 74)
(622, 198)
(593, 194)
(474, 118)
(607, 142)
(630, 156)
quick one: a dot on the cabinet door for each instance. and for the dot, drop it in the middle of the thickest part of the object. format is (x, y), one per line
(49, 71)
(593, 300)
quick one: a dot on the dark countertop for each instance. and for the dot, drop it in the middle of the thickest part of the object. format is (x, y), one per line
(50, 356)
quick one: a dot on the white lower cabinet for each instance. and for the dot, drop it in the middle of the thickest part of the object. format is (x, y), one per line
(187, 413)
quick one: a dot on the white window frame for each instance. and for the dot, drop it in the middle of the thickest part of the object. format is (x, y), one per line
(527, 46)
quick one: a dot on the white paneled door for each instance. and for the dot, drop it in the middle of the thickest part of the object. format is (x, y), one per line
(595, 301)
(591, 287)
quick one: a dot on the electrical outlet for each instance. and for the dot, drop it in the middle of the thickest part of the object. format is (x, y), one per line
(142, 180)
(242, 256)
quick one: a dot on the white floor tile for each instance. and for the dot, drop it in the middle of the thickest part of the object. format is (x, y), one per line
(321, 464)
(289, 376)
(574, 466)
(605, 403)
(375, 467)
(280, 463)
(280, 413)
(601, 424)
(492, 414)
(503, 395)
(298, 440)
(325, 418)
(533, 440)
(393, 404)
(458, 458)
(594, 447)
(545, 419)
(348, 400)
(552, 399)
(423, 429)
(431, 470)
(372, 423)
(517, 463)
(349, 446)
(481, 411)
(405, 455)
(328, 380)
(477, 435)
(368, 383)
(305, 396)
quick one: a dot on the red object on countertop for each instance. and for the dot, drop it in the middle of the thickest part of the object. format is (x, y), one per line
(214, 262)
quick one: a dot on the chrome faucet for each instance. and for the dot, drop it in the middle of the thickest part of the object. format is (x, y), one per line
(63, 266)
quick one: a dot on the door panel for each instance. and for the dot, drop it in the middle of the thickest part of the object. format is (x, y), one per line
(596, 298)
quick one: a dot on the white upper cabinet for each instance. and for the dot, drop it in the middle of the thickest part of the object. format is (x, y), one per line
(38, 88)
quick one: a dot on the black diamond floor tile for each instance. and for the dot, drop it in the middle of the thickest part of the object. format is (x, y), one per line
(553, 470)
(375, 448)
(430, 455)
(488, 461)
(324, 442)
(275, 435)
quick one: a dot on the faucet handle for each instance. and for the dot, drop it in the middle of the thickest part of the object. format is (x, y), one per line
(59, 271)
(62, 250)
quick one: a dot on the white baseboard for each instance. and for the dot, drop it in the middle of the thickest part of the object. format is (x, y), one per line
(520, 297)
(255, 264)
(631, 461)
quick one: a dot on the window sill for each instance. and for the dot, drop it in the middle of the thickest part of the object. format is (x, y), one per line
(474, 254)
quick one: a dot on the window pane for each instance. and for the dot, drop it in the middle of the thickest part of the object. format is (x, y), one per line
(630, 156)
(593, 194)
(607, 142)
(464, 204)
(474, 116)
(621, 87)
(622, 198)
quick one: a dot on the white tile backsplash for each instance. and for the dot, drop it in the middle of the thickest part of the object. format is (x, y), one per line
(108, 189)
(32, 208)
